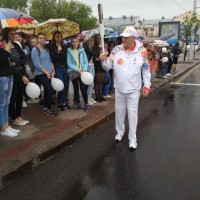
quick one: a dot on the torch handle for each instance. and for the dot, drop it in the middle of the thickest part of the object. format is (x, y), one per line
(101, 25)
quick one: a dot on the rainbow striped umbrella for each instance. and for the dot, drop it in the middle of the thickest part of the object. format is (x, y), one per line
(13, 18)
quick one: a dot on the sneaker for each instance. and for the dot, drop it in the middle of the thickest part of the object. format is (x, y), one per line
(61, 107)
(86, 108)
(173, 71)
(107, 96)
(19, 122)
(8, 133)
(13, 130)
(22, 120)
(168, 74)
(50, 113)
(78, 106)
(44, 110)
(33, 101)
(118, 137)
(90, 103)
(67, 107)
(133, 145)
(93, 101)
(24, 104)
(165, 77)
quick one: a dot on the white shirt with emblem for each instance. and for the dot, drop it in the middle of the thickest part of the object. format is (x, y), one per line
(130, 68)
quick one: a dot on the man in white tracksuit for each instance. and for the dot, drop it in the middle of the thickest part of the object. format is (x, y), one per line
(130, 64)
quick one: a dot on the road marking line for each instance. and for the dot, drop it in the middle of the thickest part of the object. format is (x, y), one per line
(189, 84)
(186, 75)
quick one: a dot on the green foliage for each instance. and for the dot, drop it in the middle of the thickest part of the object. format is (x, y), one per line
(78, 12)
(188, 23)
(43, 10)
(15, 4)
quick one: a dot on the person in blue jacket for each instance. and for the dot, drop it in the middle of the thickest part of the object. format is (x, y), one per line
(77, 63)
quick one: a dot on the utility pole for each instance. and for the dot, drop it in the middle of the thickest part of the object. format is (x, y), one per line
(192, 33)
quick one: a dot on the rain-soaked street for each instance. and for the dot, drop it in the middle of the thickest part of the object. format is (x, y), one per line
(166, 165)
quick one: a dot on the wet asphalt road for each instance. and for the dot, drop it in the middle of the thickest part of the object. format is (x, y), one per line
(166, 165)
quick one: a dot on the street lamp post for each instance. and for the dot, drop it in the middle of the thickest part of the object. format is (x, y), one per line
(192, 34)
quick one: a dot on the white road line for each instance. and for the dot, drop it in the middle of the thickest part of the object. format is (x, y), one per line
(188, 84)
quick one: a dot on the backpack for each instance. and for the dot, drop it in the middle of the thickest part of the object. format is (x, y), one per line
(38, 49)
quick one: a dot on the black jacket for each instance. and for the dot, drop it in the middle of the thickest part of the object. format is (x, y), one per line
(89, 52)
(58, 58)
(19, 70)
(5, 68)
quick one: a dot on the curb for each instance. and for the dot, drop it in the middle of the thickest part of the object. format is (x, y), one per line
(164, 82)
(30, 159)
(37, 154)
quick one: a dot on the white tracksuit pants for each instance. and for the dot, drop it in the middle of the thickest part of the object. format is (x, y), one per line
(129, 102)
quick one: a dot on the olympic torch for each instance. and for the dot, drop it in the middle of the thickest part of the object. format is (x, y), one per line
(101, 26)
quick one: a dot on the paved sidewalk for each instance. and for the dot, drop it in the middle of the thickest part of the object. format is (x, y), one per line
(46, 135)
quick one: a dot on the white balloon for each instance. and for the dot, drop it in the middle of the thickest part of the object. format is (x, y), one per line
(165, 59)
(87, 78)
(32, 90)
(57, 84)
(164, 50)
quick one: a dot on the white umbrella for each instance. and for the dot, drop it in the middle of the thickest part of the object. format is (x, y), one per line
(160, 43)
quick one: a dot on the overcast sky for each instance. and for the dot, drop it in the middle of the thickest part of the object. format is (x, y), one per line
(148, 9)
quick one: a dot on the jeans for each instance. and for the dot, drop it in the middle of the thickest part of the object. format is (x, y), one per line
(15, 107)
(90, 87)
(48, 90)
(164, 68)
(6, 84)
(106, 86)
(76, 82)
(61, 73)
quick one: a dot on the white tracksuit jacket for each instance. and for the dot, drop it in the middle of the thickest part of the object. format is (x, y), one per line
(130, 69)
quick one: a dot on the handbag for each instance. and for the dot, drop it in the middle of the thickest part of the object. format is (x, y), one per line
(73, 75)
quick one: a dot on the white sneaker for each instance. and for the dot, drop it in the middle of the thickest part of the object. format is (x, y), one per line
(90, 103)
(24, 104)
(107, 96)
(33, 101)
(118, 137)
(168, 74)
(93, 101)
(24, 121)
(19, 123)
(133, 145)
(13, 130)
(165, 77)
(8, 133)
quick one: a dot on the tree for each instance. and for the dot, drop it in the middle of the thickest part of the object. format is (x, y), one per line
(187, 24)
(76, 11)
(15, 4)
(187, 27)
(43, 10)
